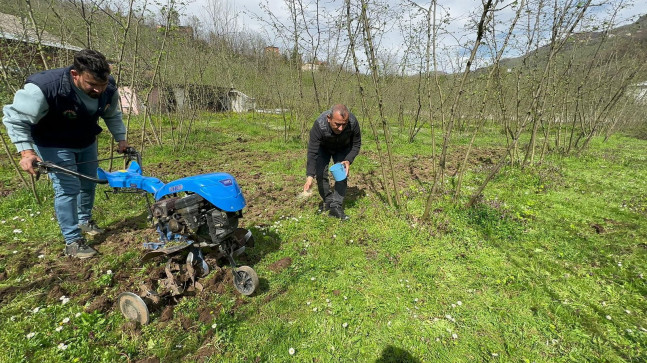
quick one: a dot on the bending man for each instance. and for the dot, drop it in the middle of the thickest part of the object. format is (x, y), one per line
(335, 134)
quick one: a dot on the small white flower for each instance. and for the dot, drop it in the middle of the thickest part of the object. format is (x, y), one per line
(608, 317)
(351, 241)
(62, 297)
(453, 305)
(14, 218)
(14, 252)
(66, 320)
(36, 309)
(17, 230)
(327, 300)
(314, 309)
(459, 303)
(415, 300)
(604, 303)
(59, 328)
(30, 335)
(291, 351)
(22, 219)
(389, 323)
(495, 355)
(77, 315)
(628, 311)
(345, 297)
(454, 336)
(214, 326)
(41, 256)
(179, 346)
(3, 221)
(313, 278)
(334, 236)
(308, 303)
(37, 213)
(62, 346)
(51, 219)
(629, 331)
(344, 325)
(31, 214)
(13, 318)
(619, 264)
(109, 272)
(437, 339)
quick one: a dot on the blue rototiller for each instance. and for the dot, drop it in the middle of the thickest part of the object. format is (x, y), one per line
(194, 216)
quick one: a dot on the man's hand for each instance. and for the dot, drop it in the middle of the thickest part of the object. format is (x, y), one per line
(346, 165)
(121, 146)
(308, 184)
(27, 159)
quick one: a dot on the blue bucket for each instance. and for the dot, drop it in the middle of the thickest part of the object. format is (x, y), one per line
(338, 171)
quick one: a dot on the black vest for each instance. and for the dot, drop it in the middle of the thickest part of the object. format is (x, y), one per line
(67, 124)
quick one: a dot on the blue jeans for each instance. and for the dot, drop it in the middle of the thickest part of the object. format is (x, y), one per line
(73, 196)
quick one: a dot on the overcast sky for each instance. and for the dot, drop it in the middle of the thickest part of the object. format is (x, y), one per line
(248, 12)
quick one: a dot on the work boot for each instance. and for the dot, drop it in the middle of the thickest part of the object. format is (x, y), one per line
(79, 249)
(338, 212)
(90, 228)
(323, 207)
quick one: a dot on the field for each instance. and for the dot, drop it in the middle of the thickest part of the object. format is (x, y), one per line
(549, 266)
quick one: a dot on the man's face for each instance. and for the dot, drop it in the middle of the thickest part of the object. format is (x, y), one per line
(337, 123)
(87, 83)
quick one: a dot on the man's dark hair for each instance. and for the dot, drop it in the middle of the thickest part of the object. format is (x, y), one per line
(341, 109)
(88, 60)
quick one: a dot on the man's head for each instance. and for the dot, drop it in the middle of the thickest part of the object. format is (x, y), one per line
(338, 118)
(90, 72)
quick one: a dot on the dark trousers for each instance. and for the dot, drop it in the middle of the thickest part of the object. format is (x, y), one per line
(334, 198)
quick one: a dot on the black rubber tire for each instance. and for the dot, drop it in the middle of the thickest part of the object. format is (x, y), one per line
(246, 281)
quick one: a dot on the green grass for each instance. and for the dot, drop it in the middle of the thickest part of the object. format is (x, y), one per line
(523, 276)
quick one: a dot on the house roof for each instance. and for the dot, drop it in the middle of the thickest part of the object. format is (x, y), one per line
(12, 27)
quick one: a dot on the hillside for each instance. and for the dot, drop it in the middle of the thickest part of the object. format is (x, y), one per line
(621, 43)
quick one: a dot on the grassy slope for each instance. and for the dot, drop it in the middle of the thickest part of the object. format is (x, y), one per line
(524, 276)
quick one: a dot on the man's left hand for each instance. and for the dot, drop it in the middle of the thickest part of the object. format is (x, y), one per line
(121, 146)
(346, 165)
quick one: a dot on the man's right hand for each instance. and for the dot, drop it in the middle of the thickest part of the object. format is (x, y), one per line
(27, 160)
(308, 184)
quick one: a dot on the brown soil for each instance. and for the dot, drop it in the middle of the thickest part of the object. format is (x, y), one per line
(280, 265)
(167, 313)
(101, 303)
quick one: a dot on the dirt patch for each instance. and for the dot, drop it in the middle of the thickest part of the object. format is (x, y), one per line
(206, 315)
(598, 228)
(3, 276)
(186, 323)
(167, 313)
(100, 303)
(280, 265)
(205, 352)
(55, 293)
(149, 360)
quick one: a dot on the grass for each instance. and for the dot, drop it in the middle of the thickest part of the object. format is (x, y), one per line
(548, 267)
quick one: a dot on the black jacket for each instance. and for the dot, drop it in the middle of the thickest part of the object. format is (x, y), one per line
(322, 137)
